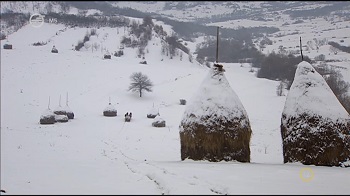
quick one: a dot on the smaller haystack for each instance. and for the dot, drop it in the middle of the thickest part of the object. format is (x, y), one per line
(48, 117)
(69, 112)
(315, 127)
(158, 122)
(152, 113)
(61, 118)
(60, 110)
(110, 110)
(215, 125)
(54, 50)
(107, 56)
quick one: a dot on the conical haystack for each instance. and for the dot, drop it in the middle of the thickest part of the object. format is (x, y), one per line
(215, 125)
(158, 122)
(48, 117)
(315, 127)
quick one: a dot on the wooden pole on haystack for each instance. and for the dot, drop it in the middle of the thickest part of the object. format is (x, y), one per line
(67, 99)
(217, 45)
(48, 106)
(217, 52)
(301, 51)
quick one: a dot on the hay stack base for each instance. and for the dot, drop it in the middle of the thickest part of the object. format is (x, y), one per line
(46, 120)
(228, 142)
(158, 124)
(322, 142)
(151, 115)
(109, 113)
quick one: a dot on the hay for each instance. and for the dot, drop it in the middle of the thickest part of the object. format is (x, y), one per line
(48, 117)
(315, 140)
(70, 115)
(61, 118)
(226, 141)
(45, 120)
(8, 46)
(60, 112)
(151, 115)
(158, 122)
(107, 56)
(109, 113)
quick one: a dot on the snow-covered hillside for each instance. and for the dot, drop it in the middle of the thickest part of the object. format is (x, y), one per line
(93, 154)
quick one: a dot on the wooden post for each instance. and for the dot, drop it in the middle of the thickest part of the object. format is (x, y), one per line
(301, 51)
(217, 45)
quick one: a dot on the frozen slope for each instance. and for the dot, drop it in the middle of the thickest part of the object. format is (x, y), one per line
(93, 154)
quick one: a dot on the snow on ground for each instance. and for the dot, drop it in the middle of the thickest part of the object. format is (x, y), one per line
(93, 154)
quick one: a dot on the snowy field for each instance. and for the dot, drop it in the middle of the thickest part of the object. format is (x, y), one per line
(93, 154)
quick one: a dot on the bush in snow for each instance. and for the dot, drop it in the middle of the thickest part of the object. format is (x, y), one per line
(215, 125)
(312, 134)
(158, 122)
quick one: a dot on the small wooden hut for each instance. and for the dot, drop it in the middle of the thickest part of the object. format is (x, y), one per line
(314, 125)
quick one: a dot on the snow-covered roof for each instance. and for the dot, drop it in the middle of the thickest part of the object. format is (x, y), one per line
(215, 99)
(311, 94)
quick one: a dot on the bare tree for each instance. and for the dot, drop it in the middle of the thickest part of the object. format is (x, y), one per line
(140, 82)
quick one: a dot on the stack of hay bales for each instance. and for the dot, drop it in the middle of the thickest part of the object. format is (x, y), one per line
(158, 122)
(48, 117)
(215, 125)
(110, 111)
(315, 127)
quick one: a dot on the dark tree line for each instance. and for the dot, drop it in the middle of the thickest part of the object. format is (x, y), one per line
(340, 47)
(88, 21)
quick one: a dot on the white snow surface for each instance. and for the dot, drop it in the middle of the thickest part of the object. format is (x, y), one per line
(92, 154)
(215, 99)
(311, 94)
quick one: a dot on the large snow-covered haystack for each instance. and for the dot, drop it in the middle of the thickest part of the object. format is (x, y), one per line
(215, 125)
(315, 127)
